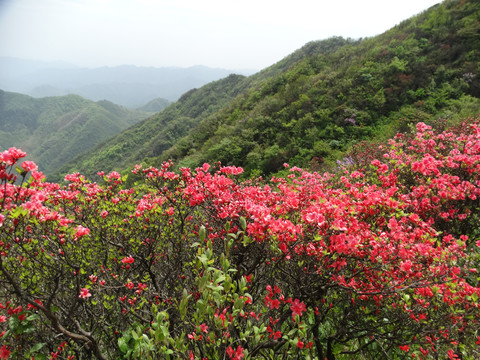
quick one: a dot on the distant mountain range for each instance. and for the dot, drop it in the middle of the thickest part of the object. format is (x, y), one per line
(126, 85)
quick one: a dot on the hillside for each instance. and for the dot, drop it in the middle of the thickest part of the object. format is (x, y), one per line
(154, 105)
(56, 129)
(317, 102)
(152, 136)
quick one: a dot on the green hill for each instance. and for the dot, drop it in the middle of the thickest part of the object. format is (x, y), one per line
(155, 105)
(54, 130)
(152, 136)
(317, 102)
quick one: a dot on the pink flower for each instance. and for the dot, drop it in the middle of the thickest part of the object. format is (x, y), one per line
(204, 328)
(113, 175)
(11, 156)
(81, 231)
(84, 293)
(29, 166)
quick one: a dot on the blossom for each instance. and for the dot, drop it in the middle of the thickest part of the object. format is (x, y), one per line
(235, 355)
(81, 231)
(406, 266)
(204, 328)
(128, 260)
(452, 355)
(11, 156)
(4, 352)
(84, 293)
(29, 165)
(405, 348)
(300, 344)
(297, 308)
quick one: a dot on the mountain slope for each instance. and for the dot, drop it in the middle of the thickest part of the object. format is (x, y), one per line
(154, 105)
(54, 130)
(315, 103)
(152, 136)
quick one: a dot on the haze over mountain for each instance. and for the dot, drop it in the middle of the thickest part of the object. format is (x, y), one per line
(126, 85)
(312, 106)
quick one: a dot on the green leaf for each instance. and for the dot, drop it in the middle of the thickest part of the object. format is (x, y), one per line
(183, 304)
(33, 317)
(122, 344)
(13, 323)
(36, 347)
(202, 233)
(243, 223)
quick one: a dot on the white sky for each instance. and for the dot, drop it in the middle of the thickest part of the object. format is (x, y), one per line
(231, 34)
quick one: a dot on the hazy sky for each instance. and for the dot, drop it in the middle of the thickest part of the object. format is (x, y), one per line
(232, 34)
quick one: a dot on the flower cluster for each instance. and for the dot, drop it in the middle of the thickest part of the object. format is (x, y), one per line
(380, 256)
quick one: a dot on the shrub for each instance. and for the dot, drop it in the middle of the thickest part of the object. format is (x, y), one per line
(378, 259)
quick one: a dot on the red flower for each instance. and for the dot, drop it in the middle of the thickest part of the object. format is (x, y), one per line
(297, 308)
(300, 344)
(4, 352)
(204, 328)
(128, 260)
(452, 355)
(405, 348)
(81, 231)
(84, 293)
(235, 355)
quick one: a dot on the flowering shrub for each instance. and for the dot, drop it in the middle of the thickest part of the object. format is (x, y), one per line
(377, 260)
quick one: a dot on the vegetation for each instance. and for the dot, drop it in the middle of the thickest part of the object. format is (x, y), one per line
(56, 129)
(151, 137)
(199, 258)
(154, 105)
(378, 260)
(319, 101)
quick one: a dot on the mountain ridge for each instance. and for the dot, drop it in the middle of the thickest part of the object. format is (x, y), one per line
(319, 101)
(127, 85)
(53, 130)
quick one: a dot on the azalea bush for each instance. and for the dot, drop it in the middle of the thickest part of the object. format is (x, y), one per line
(377, 259)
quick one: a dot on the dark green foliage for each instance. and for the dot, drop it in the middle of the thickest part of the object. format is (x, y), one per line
(317, 102)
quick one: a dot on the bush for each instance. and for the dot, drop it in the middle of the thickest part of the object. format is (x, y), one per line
(378, 259)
